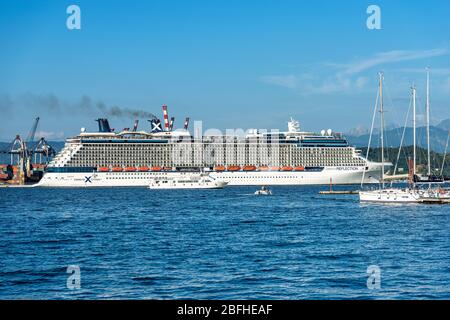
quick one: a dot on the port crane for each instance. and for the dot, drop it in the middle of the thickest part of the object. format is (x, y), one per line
(23, 151)
(43, 149)
(22, 148)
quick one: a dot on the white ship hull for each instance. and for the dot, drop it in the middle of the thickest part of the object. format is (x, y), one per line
(339, 176)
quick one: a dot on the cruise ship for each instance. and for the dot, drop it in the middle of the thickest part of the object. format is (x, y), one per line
(132, 158)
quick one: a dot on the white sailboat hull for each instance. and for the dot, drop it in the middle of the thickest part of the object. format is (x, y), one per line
(390, 196)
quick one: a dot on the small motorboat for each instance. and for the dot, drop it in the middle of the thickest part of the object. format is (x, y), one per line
(264, 191)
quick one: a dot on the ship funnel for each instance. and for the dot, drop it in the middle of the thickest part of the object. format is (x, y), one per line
(103, 125)
(171, 123)
(186, 123)
(135, 126)
(155, 125)
(166, 118)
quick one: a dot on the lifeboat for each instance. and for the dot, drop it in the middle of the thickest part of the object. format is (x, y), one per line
(274, 168)
(117, 169)
(249, 168)
(103, 169)
(4, 176)
(156, 168)
(234, 168)
(299, 168)
(143, 168)
(167, 169)
(287, 168)
(263, 168)
(130, 169)
(219, 168)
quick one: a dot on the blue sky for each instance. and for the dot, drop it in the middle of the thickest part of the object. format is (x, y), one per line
(232, 64)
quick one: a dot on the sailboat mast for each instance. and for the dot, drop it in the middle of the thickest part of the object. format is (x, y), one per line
(428, 122)
(382, 128)
(414, 130)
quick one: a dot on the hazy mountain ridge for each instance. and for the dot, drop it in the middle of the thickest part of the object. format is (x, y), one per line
(438, 137)
(445, 124)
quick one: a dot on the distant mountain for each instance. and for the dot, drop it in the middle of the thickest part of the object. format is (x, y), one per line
(438, 138)
(358, 131)
(444, 125)
(362, 130)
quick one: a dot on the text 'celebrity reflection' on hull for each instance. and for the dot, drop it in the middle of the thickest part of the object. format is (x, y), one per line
(133, 158)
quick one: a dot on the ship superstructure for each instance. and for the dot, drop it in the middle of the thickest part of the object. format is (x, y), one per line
(133, 157)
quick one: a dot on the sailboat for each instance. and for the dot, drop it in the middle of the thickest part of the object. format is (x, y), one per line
(384, 194)
(412, 193)
(434, 191)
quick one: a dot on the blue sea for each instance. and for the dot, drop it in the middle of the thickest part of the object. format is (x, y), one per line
(218, 244)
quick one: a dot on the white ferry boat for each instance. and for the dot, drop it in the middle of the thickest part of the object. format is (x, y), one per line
(191, 181)
(132, 158)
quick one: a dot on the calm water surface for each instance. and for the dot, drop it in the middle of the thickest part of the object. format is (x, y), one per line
(218, 244)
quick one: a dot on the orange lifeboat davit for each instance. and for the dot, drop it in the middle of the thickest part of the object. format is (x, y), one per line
(117, 169)
(144, 168)
(156, 168)
(299, 168)
(249, 168)
(287, 168)
(274, 168)
(130, 169)
(103, 169)
(263, 168)
(219, 168)
(234, 168)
